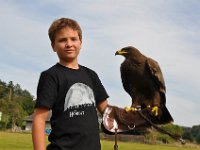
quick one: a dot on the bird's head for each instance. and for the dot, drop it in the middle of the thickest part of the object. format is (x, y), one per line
(129, 51)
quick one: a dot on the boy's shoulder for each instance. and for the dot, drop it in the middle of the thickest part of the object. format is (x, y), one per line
(52, 70)
(92, 72)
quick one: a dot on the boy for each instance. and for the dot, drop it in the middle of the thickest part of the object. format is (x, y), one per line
(72, 92)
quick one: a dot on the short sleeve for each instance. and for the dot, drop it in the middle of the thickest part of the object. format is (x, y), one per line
(99, 90)
(46, 91)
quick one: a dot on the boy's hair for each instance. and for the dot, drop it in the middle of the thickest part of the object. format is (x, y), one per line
(61, 23)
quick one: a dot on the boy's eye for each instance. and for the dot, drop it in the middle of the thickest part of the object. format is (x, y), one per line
(62, 40)
(74, 39)
(67, 40)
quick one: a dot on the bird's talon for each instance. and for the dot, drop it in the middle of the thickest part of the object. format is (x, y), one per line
(155, 110)
(128, 109)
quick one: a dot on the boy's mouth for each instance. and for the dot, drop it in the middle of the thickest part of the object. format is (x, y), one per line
(69, 50)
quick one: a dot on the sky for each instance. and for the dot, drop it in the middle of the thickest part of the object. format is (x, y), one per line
(167, 31)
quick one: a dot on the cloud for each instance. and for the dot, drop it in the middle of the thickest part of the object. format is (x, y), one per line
(185, 112)
(167, 31)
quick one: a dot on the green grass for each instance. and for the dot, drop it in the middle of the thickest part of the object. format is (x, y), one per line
(23, 141)
(15, 141)
(108, 145)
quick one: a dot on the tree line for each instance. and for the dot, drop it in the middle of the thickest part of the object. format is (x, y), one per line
(189, 134)
(192, 134)
(15, 105)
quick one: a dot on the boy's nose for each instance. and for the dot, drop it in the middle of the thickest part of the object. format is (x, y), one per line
(68, 43)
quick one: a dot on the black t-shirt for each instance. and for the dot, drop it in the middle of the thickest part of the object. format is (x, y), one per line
(72, 95)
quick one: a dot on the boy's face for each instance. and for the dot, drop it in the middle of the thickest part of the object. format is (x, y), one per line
(67, 45)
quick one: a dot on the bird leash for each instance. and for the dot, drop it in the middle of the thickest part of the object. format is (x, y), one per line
(176, 137)
(115, 146)
(153, 125)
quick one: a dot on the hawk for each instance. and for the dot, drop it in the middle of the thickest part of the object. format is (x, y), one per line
(143, 80)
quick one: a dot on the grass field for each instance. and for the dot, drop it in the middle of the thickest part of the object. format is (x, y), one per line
(23, 141)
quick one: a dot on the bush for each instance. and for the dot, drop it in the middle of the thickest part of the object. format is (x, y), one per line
(187, 136)
(198, 138)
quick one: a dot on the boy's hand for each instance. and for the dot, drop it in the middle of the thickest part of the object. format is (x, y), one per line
(102, 106)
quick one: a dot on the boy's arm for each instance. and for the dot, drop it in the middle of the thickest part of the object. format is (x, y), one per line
(102, 106)
(38, 128)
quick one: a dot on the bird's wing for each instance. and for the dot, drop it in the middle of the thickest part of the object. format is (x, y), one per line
(125, 83)
(156, 73)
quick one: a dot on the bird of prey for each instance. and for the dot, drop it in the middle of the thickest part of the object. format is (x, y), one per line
(142, 79)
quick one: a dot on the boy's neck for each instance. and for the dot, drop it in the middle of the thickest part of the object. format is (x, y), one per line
(72, 65)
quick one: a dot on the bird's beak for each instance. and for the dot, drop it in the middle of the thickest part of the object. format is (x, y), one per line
(120, 52)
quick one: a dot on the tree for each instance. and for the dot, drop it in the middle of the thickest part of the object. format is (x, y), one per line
(25, 99)
(15, 104)
(187, 136)
(195, 130)
(3, 89)
(198, 138)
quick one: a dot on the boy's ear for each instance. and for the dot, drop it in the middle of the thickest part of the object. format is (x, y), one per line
(52, 45)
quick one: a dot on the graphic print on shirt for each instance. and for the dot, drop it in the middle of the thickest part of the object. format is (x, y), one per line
(79, 95)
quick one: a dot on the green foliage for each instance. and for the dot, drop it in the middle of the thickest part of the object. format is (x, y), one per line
(195, 130)
(3, 90)
(192, 134)
(187, 136)
(175, 129)
(196, 133)
(155, 136)
(15, 104)
(198, 138)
